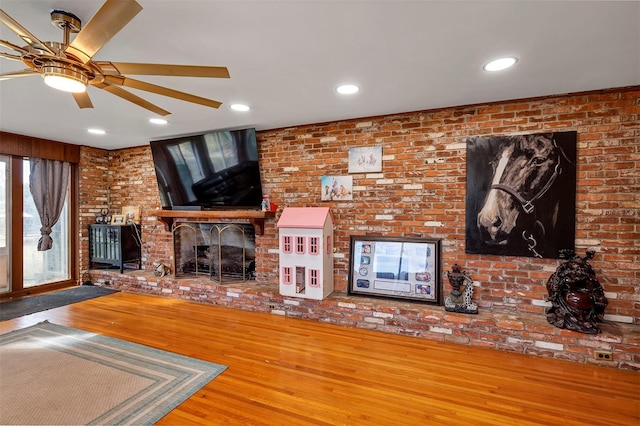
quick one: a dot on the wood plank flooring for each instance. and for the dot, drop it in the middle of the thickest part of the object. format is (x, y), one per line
(285, 371)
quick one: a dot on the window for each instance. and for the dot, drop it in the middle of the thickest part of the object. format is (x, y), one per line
(314, 243)
(300, 245)
(328, 245)
(286, 275)
(4, 225)
(286, 244)
(42, 267)
(314, 278)
(22, 267)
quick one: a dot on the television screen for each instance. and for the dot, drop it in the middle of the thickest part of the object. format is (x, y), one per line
(214, 170)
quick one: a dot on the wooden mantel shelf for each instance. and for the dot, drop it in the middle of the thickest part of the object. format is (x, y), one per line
(255, 217)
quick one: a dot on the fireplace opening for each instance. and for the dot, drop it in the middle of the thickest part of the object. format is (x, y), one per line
(222, 251)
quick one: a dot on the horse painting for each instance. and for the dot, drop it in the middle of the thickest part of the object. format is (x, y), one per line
(521, 194)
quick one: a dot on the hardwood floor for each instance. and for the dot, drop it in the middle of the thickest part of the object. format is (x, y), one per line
(284, 371)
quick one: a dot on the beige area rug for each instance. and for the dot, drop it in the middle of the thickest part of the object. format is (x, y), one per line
(55, 375)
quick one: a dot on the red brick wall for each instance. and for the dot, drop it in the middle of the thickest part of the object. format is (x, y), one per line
(113, 179)
(133, 183)
(421, 189)
(93, 194)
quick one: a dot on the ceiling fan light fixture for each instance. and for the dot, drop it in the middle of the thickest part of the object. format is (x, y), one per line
(65, 78)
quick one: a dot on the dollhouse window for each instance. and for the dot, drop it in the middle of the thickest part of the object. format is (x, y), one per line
(286, 244)
(300, 245)
(314, 277)
(314, 243)
(328, 245)
(286, 275)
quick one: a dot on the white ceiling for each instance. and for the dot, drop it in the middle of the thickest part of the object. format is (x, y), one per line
(286, 58)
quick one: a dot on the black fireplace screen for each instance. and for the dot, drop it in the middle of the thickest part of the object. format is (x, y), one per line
(222, 251)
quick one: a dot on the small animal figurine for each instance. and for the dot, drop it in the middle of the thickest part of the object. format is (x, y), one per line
(160, 269)
(459, 301)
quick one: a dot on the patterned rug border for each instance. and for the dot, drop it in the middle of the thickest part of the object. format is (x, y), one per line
(176, 377)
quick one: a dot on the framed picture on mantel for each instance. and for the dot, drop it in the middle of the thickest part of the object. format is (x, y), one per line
(118, 219)
(395, 267)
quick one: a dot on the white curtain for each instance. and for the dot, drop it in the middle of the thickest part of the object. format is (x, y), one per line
(48, 183)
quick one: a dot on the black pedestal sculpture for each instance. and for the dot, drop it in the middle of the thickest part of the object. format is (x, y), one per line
(458, 300)
(576, 294)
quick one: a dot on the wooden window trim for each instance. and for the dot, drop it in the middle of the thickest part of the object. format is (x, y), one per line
(16, 147)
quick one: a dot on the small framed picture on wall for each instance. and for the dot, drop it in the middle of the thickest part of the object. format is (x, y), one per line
(366, 159)
(337, 188)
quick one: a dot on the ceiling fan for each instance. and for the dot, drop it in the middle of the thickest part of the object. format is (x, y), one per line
(69, 65)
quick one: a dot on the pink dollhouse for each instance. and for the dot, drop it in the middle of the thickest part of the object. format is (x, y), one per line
(306, 252)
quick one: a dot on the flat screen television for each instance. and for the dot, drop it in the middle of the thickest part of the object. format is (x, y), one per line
(208, 171)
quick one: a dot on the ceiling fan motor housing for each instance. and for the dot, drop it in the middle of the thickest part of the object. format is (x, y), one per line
(66, 70)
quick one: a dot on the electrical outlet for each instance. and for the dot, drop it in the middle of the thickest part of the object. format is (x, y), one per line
(603, 355)
(272, 305)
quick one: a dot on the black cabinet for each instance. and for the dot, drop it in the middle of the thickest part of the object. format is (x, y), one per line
(114, 246)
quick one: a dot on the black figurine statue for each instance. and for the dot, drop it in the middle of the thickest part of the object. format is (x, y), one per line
(576, 294)
(459, 301)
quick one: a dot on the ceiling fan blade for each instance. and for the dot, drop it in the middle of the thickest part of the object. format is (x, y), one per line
(83, 100)
(107, 22)
(162, 69)
(15, 74)
(23, 33)
(164, 91)
(10, 56)
(13, 47)
(118, 91)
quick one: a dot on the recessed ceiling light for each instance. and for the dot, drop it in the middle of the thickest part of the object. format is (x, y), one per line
(158, 121)
(500, 64)
(347, 89)
(96, 131)
(240, 107)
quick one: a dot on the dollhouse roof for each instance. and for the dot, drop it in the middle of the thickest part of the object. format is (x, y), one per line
(304, 217)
